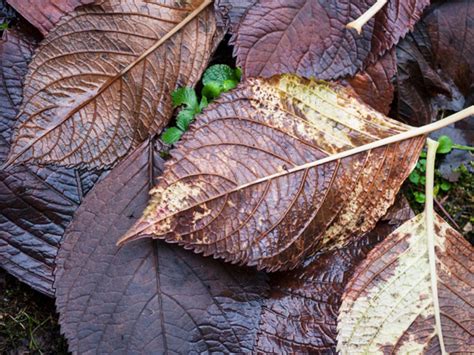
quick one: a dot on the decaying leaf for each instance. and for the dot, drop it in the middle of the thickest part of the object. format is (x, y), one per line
(388, 304)
(309, 37)
(36, 204)
(101, 81)
(436, 63)
(374, 85)
(44, 14)
(208, 199)
(149, 297)
(153, 297)
(300, 315)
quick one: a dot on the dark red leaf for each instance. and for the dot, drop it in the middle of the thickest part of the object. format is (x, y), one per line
(374, 85)
(148, 297)
(44, 14)
(230, 12)
(309, 37)
(36, 203)
(436, 63)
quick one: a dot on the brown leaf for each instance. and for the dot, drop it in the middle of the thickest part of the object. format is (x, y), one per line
(374, 85)
(101, 81)
(44, 14)
(300, 316)
(388, 305)
(309, 38)
(36, 204)
(149, 297)
(209, 198)
(436, 63)
(153, 297)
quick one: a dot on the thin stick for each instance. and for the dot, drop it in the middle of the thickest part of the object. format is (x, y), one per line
(366, 16)
(110, 81)
(448, 216)
(430, 235)
(385, 141)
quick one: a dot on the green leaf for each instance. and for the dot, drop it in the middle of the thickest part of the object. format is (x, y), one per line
(203, 103)
(436, 190)
(414, 177)
(229, 85)
(423, 154)
(219, 73)
(184, 118)
(172, 135)
(211, 90)
(445, 186)
(3, 26)
(238, 74)
(445, 145)
(421, 165)
(423, 180)
(185, 96)
(419, 197)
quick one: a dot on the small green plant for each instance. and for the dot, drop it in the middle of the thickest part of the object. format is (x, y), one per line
(441, 185)
(4, 26)
(217, 79)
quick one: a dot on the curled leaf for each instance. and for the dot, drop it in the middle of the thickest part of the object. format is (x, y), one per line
(388, 305)
(220, 207)
(270, 39)
(101, 81)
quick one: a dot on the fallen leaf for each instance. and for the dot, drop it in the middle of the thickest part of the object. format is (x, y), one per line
(374, 85)
(155, 297)
(149, 297)
(211, 201)
(44, 14)
(309, 38)
(300, 316)
(101, 81)
(436, 63)
(230, 12)
(36, 204)
(388, 305)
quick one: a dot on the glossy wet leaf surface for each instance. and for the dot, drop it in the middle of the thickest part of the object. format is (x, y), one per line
(309, 37)
(93, 92)
(388, 303)
(265, 127)
(36, 204)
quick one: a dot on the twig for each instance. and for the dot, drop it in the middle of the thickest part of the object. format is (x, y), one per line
(366, 16)
(446, 214)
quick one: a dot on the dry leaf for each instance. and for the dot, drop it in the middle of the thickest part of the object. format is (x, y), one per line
(388, 305)
(44, 14)
(98, 87)
(309, 37)
(208, 201)
(36, 204)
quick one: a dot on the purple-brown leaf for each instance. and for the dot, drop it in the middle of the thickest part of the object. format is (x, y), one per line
(309, 37)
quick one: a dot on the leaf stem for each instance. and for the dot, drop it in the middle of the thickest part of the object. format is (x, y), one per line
(430, 234)
(463, 147)
(366, 16)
